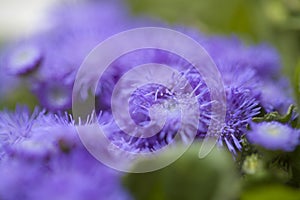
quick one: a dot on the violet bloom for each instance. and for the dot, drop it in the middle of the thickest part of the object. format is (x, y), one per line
(274, 136)
(262, 58)
(15, 126)
(256, 67)
(43, 158)
(77, 29)
(22, 59)
(162, 101)
(242, 104)
(32, 135)
(52, 58)
(241, 108)
(276, 95)
(75, 175)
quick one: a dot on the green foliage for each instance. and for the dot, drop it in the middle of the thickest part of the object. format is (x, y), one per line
(276, 116)
(19, 96)
(271, 192)
(213, 177)
(295, 166)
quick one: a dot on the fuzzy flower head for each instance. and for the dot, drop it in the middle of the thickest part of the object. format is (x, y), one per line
(274, 136)
(34, 135)
(15, 126)
(152, 104)
(241, 108)
(23, 59)
(43, 158)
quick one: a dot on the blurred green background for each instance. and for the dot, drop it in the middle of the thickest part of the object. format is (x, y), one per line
(273, 21)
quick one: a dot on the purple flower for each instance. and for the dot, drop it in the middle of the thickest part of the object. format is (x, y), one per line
(274, 136)
(162, 101)
(241, 86)
(235, 76)
(22, 59)
(54, 56)
(43, 158)
(75, 176)
(262, 58)
(14, 126)
(54, 94)
(28, 134)
(241, 108)
(276, 95)
(253, 67)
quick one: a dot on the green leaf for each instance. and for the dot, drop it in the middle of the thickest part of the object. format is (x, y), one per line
(275, 116)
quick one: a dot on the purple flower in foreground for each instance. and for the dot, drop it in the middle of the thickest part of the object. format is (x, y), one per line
(76, 176)
(15, 127)
(43, 158)
(33, 135)
(165, 101)
(274, 136)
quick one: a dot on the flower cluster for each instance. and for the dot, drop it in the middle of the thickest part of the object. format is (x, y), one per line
(42, 150)
(43, 158)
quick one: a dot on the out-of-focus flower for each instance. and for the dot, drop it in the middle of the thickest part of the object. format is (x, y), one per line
(43, 158)
(22, 59)
(276, 95)
(252, 164)
(262, 58)
(253, 67)
(58, 52)
(8, 84)
(274, 136)
(76, 175)
(29, 134)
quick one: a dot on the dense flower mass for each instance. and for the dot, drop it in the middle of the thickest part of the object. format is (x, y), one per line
(42, 151)
(41, 155)
(57, 54)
